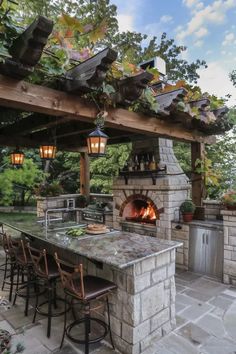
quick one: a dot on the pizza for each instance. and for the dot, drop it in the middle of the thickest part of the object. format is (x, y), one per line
(96, 227)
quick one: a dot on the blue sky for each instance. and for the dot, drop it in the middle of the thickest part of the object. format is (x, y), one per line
(206, 27)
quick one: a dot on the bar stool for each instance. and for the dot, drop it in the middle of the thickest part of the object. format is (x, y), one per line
(10, 262)
(46, 269)
(25, 268)
(85, 289)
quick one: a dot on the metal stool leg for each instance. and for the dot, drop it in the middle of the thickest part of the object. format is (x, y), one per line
(11, 280)
(65, 320)
(55, 295)
(27, 291)
(35, 309)
(109, 322)
(87, 329)
(50, 300)
(17, 283)
(5, 271)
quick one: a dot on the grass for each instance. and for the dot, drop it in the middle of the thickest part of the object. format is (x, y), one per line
(17, 217)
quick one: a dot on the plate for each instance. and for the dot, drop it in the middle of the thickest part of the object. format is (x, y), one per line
(91, 232)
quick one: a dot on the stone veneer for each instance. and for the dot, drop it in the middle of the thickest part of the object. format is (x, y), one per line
(170, 190)
(143, 307)
(229, 267)
(212, 209)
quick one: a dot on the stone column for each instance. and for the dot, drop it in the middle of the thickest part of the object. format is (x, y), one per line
(229, 266)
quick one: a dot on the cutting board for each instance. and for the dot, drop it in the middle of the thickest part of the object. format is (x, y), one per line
(91, 232)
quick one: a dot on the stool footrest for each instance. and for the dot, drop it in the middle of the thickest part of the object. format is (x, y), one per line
(55, 314)
(82, 320)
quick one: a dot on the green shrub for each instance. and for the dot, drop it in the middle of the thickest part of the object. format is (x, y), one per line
(187, 206)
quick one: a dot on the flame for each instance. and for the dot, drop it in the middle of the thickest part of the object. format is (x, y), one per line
(145, 213)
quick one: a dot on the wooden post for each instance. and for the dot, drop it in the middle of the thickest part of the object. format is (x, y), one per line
(198, 179)
(84, 174)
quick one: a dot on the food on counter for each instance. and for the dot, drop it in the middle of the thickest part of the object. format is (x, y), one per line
(96, 227)
(76, 232)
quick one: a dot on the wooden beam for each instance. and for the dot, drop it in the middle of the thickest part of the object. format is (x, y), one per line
(91, 73)
(30, 97)
(198, 179)
(131, 88)
(27, 49)
(33, 123)
(84, 175)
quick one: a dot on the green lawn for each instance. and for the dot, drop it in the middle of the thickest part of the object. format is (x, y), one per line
(17, 217)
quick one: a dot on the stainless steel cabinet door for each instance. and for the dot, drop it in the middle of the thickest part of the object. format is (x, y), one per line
(214, 253)
(197, 256)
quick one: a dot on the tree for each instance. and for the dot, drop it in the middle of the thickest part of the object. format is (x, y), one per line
(17, 185)
(103, 170)
(99, 19)
(232, 76)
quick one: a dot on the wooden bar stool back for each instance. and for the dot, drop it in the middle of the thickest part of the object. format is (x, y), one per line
(9, 266)
(46, 269)
(27, 288)
(85, 289)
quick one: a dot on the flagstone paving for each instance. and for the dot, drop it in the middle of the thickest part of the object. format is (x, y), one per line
(205, 323)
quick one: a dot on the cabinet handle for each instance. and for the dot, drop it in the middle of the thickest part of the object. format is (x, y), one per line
(203, 238)
(207, 239)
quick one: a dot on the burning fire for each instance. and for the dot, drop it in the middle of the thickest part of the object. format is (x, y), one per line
(145, 213)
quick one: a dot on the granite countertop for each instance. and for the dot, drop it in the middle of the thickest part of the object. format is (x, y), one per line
(119, 249)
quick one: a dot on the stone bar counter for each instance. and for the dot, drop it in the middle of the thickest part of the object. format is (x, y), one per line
(143, 267)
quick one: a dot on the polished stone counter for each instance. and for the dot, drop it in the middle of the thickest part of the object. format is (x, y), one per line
(118, 249)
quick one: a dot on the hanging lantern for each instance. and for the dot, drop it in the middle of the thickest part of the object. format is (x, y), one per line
(47, 152)
(97, 142)
(17, 158)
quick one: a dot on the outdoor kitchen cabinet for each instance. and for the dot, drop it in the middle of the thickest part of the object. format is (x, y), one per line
(206, 251)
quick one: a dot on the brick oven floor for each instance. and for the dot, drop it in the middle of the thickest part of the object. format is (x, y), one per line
(206, 322)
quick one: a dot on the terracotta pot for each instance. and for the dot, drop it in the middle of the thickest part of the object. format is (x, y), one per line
(187, 217)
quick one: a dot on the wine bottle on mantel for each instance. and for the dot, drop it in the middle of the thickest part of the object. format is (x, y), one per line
(142, 163)
(136, 163)
(147, 162)
(152, 165)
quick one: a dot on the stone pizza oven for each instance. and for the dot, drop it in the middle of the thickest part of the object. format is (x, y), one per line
(147, 201)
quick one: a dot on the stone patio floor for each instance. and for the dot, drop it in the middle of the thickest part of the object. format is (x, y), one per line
(205, 316)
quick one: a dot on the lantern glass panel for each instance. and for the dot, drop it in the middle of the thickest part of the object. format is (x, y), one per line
(47, 152)
(96, 145)
(17, 158)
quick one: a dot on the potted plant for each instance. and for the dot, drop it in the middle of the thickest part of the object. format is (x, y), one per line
(82, 201)
(187, 209)
(229, 200)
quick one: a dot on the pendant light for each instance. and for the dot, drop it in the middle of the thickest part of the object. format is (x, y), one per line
(47, 152)
(97, 139)
(17, 158)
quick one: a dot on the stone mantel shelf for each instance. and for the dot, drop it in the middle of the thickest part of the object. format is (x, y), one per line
(153, 174)
(120, 249)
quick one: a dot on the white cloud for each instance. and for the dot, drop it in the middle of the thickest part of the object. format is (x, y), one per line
(125, 22)
(198, 43)
(229, 39)
(202, 32)
(166, 18)
(214, 13)
(215, 80)
(190, 3)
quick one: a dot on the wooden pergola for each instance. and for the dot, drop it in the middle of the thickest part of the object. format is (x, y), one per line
(72, 117)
